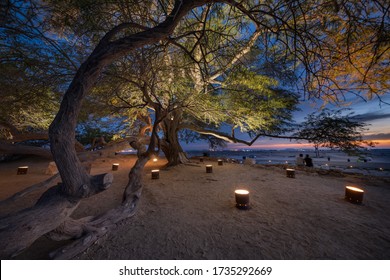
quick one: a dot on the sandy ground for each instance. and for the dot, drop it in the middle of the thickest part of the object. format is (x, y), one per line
(189, 214)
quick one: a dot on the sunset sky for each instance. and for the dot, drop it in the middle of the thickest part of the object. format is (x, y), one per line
(373, 113)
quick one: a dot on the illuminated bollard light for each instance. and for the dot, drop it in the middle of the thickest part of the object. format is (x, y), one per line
(242, 199)
(155, 174)
(290, 173)
(115, 166)
(155, 160)
(209, 168)
(354, 195)
(220, 162)
(22, 170)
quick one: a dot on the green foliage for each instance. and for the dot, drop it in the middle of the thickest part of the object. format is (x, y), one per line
(175, 78)
(327, 48)
(25, 103)
(90, 133)
(93, 128)
(34, 67)
(254, 103)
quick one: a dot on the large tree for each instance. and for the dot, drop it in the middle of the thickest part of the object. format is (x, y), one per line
(320, 36)
(201, 91)
(334, 130)
(208, 73)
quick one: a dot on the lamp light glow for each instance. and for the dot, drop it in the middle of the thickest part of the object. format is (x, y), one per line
(22, 170)
(209, 168)
(115, 166)
(354, 194)
(155, 174)
(290, 173)
(242, 198)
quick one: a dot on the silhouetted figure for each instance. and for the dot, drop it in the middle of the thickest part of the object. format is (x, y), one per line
(299, 160)
(308, 161)
(328, 158)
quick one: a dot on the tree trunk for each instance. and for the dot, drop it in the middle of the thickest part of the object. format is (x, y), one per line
(17, 149)
(39, 186)
(170, 144)
(20, 230)
(62, 129)
(88, 230)
(12, 149)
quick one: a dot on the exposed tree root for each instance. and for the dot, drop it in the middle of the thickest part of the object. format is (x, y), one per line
(19, 230)
(39, 186)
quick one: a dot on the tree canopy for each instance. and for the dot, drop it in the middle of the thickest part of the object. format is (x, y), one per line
(328, 49)
(35, 64)
(333, 129)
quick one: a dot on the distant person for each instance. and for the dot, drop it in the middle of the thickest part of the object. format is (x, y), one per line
(308, 161)
(300, 161)
(328, 158)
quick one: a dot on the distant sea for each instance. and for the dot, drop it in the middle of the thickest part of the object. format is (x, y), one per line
(376, 157)
(374, 162)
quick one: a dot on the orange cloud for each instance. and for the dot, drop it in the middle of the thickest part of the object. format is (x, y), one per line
(382, 143)
(275, 146)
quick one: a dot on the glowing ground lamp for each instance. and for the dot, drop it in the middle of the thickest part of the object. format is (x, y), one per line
(155, 174)
(242, 199)
(290, 173)
(155, 160)
(115, 166)
(354, 194)
(22, 170)
(220, 162)
(209, 168)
